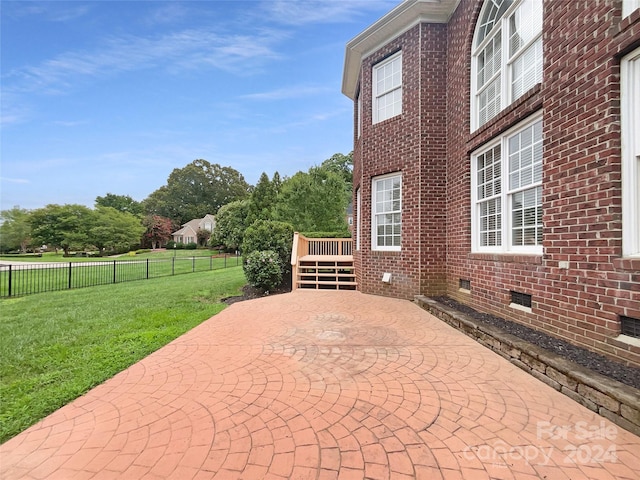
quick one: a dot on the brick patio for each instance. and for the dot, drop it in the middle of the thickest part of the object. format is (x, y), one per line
(323, 385)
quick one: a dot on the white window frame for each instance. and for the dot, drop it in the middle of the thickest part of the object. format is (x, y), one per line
(630, 126)
(375, 213)
(359, 217)
(359, 124)
(629, 6)
(504, 197)
(502, 80)
(391, 90)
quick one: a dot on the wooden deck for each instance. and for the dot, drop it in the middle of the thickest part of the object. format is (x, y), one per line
(322, 263)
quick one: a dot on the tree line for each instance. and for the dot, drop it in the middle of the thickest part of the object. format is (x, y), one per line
(315, 200)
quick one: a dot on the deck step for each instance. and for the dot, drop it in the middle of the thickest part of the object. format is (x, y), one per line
(322, 272)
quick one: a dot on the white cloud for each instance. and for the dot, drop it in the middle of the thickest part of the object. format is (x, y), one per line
(190, 49)
(49, 11)
(15, 180)
(289, 92)
(301, 12)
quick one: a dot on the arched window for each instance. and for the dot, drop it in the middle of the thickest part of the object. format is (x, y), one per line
(507, 56)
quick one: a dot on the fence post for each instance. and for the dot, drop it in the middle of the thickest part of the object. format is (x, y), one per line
(114, 271)
(69, 275)
(147, 269)
(193, 264)
(173, 266)
(210, 263)
(225, 260)
(10, 272)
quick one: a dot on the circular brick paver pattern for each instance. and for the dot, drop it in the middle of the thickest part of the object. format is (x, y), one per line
(323, 385)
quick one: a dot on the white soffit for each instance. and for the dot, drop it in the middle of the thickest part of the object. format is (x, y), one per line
(406, 15)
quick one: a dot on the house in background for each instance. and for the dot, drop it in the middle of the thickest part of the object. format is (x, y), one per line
(497, 161)
(189, 231)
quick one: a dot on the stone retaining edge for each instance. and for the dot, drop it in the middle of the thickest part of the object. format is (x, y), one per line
(611, 399)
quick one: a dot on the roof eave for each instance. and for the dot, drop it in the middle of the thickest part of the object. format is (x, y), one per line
(402, 18)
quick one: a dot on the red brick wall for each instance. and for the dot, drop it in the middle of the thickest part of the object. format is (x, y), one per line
(431, 143)
(411, 144)
(579, 98)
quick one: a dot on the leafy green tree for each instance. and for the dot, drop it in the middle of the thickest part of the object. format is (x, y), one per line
(197, 189)
(342, 165)
(122, 203)
(15, 231)
(263, 199)
(231, 223)
(270, 235)
(115, 230)
(314, 201)
(158, 230)
(62, 226)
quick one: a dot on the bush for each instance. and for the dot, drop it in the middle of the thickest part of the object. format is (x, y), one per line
(263, 269)
(191, 246)
(270, 235)
(343, 234)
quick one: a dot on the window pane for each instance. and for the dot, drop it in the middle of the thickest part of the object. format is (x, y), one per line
(524, 24)
(489, 181)
(493, 11)
(527, 70)
(388, 89)
(387, 213)
(490, 222)
(526, 217)
(525, 158)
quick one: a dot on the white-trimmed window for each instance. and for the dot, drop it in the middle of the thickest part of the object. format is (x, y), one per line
(629, 6)
(387, 212)
(630, 120)
(358, 217)
(507, 56)
(507, 192)
(387, 88)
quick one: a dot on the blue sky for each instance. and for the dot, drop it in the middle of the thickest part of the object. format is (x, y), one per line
(110, 96)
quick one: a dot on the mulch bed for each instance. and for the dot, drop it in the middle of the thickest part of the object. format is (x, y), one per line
(591, 360)
(249, 292)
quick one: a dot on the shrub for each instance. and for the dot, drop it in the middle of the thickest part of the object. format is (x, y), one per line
(341, 234)
(263, 269)
(191, 246)
(270, 235)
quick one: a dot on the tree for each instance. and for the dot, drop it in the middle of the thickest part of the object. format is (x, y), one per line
(196, 190)
(263, 199)
(115, 230)
(15, 231)
(122, 203)
(342, 165)
(314, 201)
(62, 226)
(231, 223)
(203, 236)
(158, 230)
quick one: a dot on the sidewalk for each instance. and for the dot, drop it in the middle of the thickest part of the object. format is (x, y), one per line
(323, 385)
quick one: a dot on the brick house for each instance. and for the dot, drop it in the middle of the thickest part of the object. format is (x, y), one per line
(497, 161)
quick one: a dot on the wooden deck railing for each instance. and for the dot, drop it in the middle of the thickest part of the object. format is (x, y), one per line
(303, 246)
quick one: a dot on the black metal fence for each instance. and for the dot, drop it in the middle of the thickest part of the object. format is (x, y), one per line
(17, 280)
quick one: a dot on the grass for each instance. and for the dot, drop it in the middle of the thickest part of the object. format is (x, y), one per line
(28, 279)
(56, 346)
(51, 257)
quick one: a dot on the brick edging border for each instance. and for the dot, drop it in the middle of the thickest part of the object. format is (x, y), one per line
(611, 399)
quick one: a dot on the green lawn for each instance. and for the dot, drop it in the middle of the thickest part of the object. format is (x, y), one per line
(51, 257)
(56, 346)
